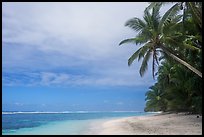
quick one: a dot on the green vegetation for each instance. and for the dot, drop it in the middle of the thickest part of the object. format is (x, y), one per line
(174, 42)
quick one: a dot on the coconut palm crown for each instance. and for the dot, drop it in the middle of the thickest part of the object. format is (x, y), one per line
(158, 35)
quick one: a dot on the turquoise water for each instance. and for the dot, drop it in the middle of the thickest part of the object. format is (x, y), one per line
(58, 123)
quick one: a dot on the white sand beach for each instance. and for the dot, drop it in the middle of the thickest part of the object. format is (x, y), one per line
(160, 124)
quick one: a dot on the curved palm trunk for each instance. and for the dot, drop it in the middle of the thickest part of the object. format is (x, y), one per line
(181, 61)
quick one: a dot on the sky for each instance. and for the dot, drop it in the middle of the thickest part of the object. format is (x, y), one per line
(65, 56)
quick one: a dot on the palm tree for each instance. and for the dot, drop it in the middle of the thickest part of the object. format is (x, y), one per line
(155, 99)
(158, 35)
(164, 73)
(179, 92)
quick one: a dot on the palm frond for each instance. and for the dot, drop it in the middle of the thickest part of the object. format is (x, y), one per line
(131, 40)
(144, 65)
(155, 16)
(134, 56)
(144, 50)
(174, 40)
(196, 12)
(137, 40)
(136, 24)
(189, 46)
(172, 27)
(148, 19)
(153, 4)
(139, 52)
(169, 15)
(146, 33)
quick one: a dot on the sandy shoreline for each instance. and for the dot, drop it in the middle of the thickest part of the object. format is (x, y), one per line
(160, 124)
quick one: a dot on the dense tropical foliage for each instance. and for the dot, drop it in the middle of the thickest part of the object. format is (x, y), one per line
(174, 42)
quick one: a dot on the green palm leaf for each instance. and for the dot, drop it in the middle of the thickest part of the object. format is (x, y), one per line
(144, 50)
(131, 40)
(168, 15)
(139, 53)
(153, 4)
(144, 65)
(136, 40)
(136, 24)
(196, 12)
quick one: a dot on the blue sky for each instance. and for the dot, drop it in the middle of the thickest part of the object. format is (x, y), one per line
(65, 56)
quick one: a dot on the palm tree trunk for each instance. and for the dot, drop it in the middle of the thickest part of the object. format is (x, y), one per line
(181, 61)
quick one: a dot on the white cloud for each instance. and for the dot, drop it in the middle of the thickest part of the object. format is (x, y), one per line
(65, 79)
(89, 30)
(41, 37)
(48, 78)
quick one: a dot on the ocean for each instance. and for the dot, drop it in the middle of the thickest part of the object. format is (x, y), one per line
(56, 123)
